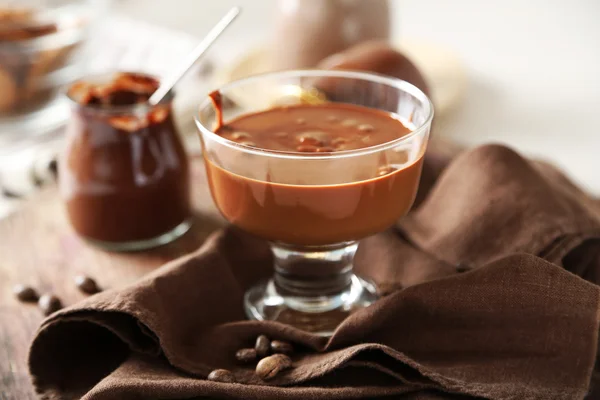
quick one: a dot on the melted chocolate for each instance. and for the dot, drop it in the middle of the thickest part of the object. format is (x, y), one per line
(125, 176)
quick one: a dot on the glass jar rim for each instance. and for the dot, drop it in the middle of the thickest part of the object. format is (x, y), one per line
(397, 83)
(137, 108)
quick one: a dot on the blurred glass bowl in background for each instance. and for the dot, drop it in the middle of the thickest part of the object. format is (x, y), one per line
(40, 52)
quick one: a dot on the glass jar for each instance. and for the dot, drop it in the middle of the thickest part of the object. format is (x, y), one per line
(124, 173)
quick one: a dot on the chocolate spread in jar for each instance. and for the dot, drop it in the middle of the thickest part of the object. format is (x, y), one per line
(125, 174)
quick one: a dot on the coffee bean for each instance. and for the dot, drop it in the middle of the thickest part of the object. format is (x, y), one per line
(246, 356)
(281, 347)
(270, 367)
(366, 128)
(221, 375)
(86, 284)
(49, 304)
(307, 148)
(26, 294)
(262, 346)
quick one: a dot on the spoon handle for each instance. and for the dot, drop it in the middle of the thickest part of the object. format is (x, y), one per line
(170, 81)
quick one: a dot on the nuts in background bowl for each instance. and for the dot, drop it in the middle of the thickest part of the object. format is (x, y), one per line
(38, 51)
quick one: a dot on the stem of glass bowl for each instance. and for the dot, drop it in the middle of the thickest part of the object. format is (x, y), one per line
(314, 288)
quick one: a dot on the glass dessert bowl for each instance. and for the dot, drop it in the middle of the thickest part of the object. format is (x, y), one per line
(313, 162)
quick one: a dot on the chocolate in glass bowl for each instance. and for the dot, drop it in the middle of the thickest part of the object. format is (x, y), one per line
(313, 162)
(124, 175)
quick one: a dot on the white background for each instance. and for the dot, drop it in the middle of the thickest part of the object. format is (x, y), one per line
(533, 66)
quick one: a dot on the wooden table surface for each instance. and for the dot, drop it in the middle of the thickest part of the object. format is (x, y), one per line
(38, 248)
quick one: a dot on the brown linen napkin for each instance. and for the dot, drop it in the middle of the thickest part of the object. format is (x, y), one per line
(516, 326)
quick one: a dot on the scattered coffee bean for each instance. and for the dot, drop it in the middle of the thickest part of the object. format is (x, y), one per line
(307, 148)
(349, 122)
(262, 346)
(25, 294)
(49, 304)
(246, 356)
(86, 284)
(270, 367)
(366, 128)
(221, 375)
(281, 347)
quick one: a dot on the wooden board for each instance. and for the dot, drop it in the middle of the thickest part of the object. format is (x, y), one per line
(38, 247)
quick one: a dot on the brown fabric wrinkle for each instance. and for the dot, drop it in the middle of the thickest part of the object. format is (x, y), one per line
(109, 391)
(479, 179)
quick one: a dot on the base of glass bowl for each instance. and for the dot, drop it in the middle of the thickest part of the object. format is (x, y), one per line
(316, 314)
(138, 245)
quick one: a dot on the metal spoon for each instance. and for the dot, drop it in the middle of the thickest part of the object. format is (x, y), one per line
(168, 83)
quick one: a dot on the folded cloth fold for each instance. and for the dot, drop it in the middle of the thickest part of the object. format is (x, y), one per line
(482, 301)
